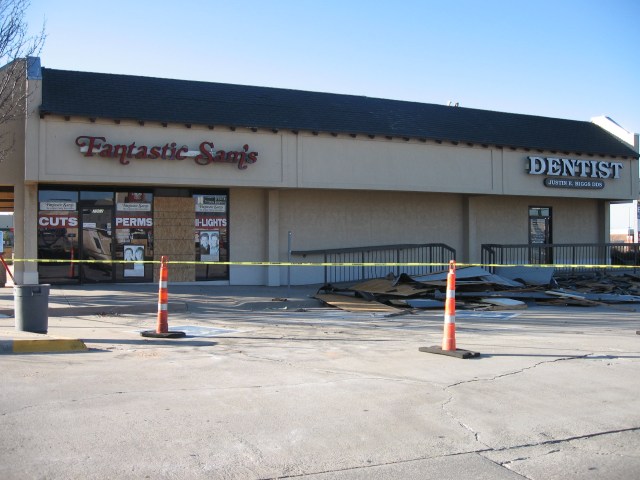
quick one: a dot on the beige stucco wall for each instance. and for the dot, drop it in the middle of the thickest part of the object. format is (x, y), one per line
(500, 222)
(286, 160)
(380, 164)
(321, 219)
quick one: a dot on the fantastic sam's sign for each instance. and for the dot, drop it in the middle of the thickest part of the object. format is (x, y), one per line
(204, 155)
(573, 173)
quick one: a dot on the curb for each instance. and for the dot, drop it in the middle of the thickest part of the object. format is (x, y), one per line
(174, 307)
(47, 345)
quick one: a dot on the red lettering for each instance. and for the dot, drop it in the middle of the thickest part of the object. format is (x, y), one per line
(205, 157)
(142, 152)
(243, 157)
(130, 149)
(220, 156)
(173, 151)
(181, 150)
(165, 150)
(121, 152)
(107, 150)
(91, 146)
(154, 153)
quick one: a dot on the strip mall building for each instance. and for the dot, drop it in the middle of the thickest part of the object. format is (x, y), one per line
(119, 167)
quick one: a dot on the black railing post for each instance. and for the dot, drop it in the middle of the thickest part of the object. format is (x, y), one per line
(326, 273)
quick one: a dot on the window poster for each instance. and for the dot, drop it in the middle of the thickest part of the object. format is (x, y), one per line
(209, 245)
(134, 253)
(211, 203)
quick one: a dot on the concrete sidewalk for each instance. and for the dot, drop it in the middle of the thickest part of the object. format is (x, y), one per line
(264, 388)
(126, 299)
(121, 298)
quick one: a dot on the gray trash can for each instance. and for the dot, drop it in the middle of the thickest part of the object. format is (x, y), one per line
(31, 305)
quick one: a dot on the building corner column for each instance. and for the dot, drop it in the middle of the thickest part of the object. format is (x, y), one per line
(470, 252)
(604, 220)
(26, 233)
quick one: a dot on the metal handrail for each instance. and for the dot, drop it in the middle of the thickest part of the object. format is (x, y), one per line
(580, 256)
(429, 257)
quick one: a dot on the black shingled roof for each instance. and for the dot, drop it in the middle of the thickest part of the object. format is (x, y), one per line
(99, 95)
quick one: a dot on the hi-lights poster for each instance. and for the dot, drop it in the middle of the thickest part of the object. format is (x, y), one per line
(209, 246)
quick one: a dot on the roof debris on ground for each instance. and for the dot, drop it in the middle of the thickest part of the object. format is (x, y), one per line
(478, 289)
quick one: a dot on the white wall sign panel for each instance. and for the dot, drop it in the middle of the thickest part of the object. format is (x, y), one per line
(569, 176)
(102, 153)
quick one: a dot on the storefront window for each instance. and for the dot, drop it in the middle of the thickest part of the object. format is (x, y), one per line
(111, 230)
(97, 227)
(58, 230)
(212, 236)
(6, 235)
(96, 197)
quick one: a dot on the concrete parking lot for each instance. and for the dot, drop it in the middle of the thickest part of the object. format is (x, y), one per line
(265, 388)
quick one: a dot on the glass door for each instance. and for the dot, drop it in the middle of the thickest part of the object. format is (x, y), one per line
(540, 235)
(212, 236)
(96, 244)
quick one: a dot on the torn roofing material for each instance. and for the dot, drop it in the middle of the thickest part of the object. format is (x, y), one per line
(476, 288)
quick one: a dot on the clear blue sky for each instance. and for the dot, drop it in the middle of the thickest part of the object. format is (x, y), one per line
(570, 59)
(560, 58)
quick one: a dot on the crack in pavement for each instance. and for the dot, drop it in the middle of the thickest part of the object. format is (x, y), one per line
(490, 379)
(371, 465)
(508, 464)
(485, 447)
(480, 452)
(476, 435)
(567, 439)
(524, 369)
(508, 374)
(505, 465)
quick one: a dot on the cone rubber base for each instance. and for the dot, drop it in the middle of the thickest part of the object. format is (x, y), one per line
(169, 334)
(458, 353)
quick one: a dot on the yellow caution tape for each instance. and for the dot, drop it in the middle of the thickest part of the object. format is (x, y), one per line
(320, 264)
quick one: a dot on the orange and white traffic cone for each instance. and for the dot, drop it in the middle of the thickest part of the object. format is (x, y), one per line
(163, 298)
(449, 335)
(162, 327)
